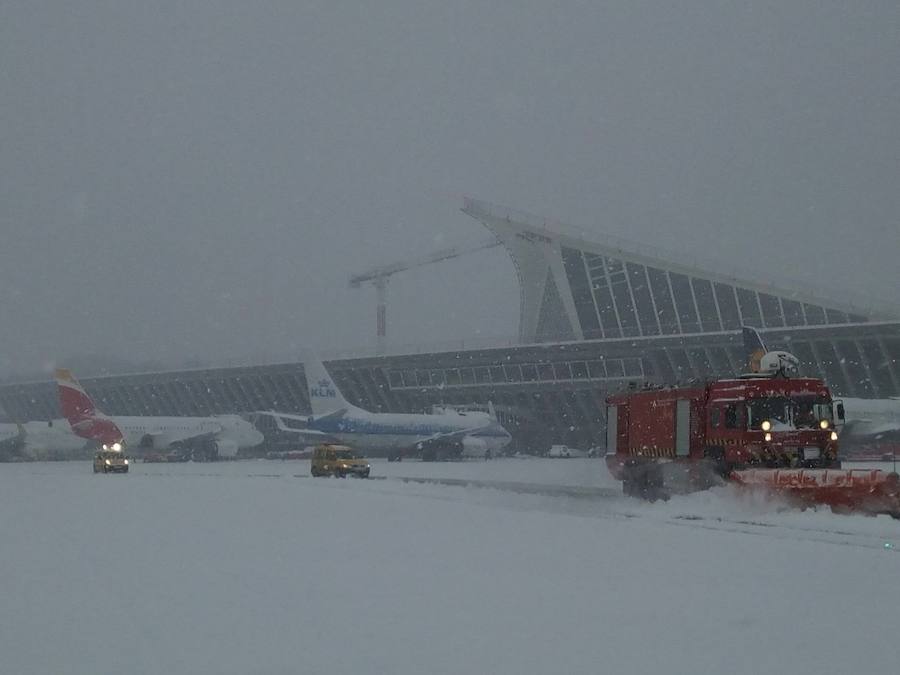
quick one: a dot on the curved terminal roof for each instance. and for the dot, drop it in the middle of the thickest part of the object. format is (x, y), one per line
(576, 285)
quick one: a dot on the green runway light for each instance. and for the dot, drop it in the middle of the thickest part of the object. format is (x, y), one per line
(888, 545)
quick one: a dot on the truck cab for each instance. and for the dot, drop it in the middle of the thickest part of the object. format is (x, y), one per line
(773, 422)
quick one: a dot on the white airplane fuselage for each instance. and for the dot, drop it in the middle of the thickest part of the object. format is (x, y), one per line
(871, 419)
(55, 436)
(391, 431)
(41, 437)
(231, 432)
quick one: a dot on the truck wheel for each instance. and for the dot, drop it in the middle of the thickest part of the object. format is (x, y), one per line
(654, 485)
(634, 480)
(716, 457)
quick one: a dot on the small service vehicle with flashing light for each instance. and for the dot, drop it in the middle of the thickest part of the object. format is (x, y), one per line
(110, 459)
(339, 461)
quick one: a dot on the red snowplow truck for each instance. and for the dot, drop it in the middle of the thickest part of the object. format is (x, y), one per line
(765, 431)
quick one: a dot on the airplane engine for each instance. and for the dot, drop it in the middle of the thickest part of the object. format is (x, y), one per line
(227, 449)
(474, 447)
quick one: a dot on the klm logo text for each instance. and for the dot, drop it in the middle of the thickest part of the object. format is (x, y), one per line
(323, 389)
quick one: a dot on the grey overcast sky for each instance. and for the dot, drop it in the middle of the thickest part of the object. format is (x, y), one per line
(199, 179)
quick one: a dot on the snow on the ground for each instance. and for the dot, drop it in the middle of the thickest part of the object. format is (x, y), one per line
(253, 567)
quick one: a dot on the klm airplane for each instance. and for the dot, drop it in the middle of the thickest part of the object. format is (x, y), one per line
(334, 419)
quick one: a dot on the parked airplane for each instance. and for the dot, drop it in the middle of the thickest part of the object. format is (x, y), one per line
(467, 434)
(215, 436)
(871, 426)
(33, 440)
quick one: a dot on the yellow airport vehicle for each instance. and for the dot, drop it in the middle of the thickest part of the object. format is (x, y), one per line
(339, 461)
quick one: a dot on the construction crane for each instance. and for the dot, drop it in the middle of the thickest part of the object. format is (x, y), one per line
(378, 277)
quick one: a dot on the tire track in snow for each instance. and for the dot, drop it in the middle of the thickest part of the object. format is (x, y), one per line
(586, 495)
(782, 531)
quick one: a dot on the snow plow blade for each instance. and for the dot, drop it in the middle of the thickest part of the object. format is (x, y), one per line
(868, 491)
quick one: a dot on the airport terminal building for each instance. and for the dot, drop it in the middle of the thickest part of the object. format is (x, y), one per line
(596, 315)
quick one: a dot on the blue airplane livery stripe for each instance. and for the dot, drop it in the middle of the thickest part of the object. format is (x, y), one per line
(357, 426)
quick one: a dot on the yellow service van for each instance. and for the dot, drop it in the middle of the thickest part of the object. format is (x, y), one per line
(338, 460)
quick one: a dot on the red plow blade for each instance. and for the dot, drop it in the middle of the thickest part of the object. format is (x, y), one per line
(869, 491)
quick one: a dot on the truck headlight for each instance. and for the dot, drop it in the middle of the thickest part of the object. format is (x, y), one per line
(823, 424)
(117, 447)
(834, 435)
(768, 436)
(766, 426)
(126, 462)
(107, 461)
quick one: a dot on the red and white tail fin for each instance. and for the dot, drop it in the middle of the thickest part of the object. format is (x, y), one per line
(76, 405)
(78, 408)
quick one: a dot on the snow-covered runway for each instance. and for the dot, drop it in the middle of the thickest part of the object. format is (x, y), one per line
(253, 567)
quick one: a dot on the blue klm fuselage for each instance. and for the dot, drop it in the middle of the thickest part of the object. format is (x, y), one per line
(390, 431)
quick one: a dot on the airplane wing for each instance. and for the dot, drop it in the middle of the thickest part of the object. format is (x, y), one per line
(162, 438)
(298, 426)
(337, 414)
(312, 433)
(860, 428)
(452, 437)
(305, 435)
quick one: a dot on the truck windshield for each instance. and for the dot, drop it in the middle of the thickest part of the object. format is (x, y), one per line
(776, 409)
(789, 413)
(346, 454)
(809, 412)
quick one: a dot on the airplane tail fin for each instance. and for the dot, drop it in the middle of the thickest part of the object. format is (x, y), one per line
(74, 401)
(754, 348)
(324, 396)
(79, 409)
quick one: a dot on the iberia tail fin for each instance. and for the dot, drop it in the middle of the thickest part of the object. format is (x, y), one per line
(74, 401)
